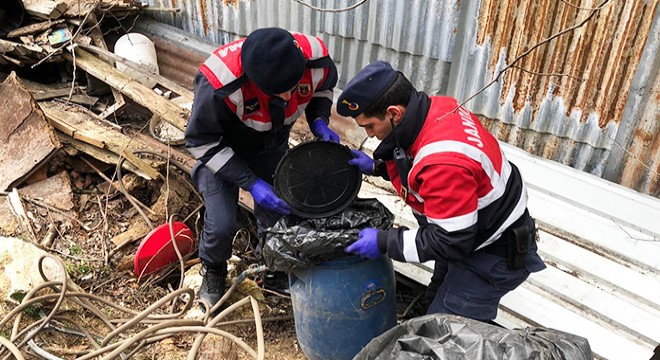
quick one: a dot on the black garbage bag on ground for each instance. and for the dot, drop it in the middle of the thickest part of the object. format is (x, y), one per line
(297, 242)
(451, 337)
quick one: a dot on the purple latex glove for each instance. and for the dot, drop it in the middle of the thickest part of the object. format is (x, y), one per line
(263, 194)
(362, 161)
(321, 130)
(366, 245)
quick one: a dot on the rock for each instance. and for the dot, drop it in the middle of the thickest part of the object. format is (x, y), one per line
(19, 267)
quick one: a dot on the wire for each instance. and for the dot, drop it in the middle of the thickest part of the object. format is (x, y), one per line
(331, 10)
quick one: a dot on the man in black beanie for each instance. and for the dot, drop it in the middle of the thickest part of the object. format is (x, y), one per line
(248, 94)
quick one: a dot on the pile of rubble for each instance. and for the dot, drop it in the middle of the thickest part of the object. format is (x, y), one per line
(41, 30)
(75, 115)
(79, 111)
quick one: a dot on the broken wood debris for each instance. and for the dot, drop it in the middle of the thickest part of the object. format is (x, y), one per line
(45, 9)
(26, 139)
(50, 24)
(32, 29)
(133, 89)
(54, 192)
(104, 126)
(19, 210)
(81, 126)
(183, 92)
(70, 38)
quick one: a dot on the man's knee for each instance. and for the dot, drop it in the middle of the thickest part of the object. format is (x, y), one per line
(218, 228)
(456, 302)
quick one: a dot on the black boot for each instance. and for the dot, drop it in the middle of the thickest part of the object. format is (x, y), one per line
(213, 283)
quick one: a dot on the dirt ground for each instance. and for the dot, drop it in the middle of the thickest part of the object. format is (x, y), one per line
(94, 263)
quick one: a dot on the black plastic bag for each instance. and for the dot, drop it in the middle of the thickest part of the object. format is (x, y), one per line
(297, 242)
(451, 337)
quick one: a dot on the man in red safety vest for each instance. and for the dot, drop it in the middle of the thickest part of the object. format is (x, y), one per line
(469, 200)
(248, 94)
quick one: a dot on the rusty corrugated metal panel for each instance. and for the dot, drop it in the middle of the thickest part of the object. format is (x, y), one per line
(598, 59)
(573, 119)
(641, 160)
(634, 160)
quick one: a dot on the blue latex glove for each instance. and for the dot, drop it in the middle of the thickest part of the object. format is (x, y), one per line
(263, 194)
(366, 245)
(321, 130)
(362, 161)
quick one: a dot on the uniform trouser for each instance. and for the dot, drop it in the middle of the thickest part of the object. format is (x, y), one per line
(474, 286)
(220, 223)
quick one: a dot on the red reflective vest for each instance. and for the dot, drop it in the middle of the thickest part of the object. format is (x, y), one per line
(458, 170)
(224, 66)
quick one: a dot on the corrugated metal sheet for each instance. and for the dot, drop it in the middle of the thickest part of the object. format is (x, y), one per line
(415, 35)
(600, 118)
(634, 160)
(573, 119)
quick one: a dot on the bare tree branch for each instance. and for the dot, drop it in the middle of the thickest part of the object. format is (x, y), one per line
(579, 7)
(331, 10)
(547, 74)
(647, 167)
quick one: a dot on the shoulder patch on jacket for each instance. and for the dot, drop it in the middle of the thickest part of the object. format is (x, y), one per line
(304, 89)
(251, 105)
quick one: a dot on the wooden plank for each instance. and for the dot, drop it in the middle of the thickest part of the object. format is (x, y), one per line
(33, 28)
(104, 155)
(20, 50)
(45, 9)
(137, 92)
(180, 155)
(83, 99)
(140, 164)
(92, 131)
(97, 37)
(50, 94)
(104, 53)
(26, 138)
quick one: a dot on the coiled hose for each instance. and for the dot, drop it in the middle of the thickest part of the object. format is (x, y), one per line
(161, 326)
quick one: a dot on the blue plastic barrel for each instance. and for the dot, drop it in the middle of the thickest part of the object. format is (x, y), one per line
(339, 306)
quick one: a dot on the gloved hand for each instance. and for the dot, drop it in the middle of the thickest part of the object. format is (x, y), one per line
(366, 245)
(321, 130)
(263, 194)
(362, 161)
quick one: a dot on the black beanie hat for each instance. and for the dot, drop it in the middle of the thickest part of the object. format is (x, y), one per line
(367, 86)
(272, 59)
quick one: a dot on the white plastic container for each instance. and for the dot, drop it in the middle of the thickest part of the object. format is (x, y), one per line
(139, 49)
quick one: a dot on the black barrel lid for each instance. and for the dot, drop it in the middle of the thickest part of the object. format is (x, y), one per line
(315, 179)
